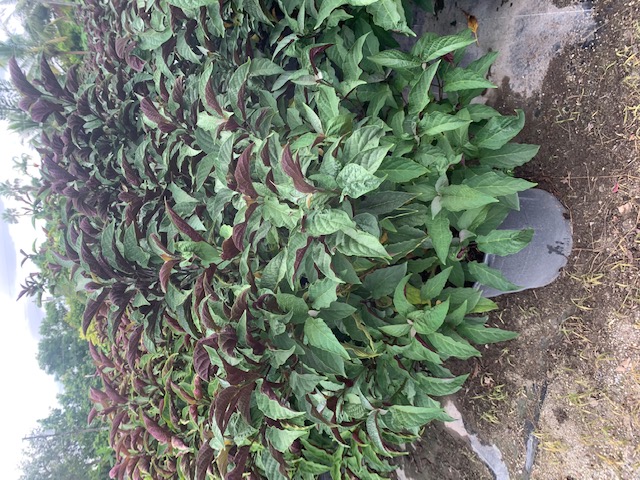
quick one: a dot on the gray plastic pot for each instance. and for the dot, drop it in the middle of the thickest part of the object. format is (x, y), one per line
(540, 262)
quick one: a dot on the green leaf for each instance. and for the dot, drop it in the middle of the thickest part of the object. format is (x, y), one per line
(462, 79)
(403, 307)
(441, 236)
(498, 131)
(401, 170)
(355, 181)
(431, 47)
(389, 15)
(509, 156)
(374, 433)
(380, 203)
(396, 59)
(371, 158)
(271, 466)
(254, 9)
(326, 222)
(450, 347)
(190, 3)
(275, 271)
(482, 335)
(490, 277)
(435, 285)
(280, 214)
(396, 330)
(283, 439)
(210, 123)
(408, 416)
(272, 408)
(497, 184)
(319, 335)
(436, 122)
(383, 281)
(439, 387)
(419, 95)
(504, 242)
(322, 293)
(456, 198)
(152, 39)
(303, 383)
(362, 139)
(429, 320)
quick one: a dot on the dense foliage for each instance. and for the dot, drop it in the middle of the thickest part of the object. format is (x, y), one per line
(277, 217)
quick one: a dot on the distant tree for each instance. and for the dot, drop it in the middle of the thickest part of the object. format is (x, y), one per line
(64, 446)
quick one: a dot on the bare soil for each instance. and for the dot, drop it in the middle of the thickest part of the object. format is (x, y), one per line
(573, 375)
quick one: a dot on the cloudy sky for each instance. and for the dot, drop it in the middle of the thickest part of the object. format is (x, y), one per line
(27, 392)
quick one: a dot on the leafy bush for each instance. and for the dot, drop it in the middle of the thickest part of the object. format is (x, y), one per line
(277, 217)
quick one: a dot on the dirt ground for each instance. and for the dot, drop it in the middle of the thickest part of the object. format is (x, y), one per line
(573, 376)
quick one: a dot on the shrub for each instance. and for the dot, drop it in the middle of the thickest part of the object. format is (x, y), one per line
(275, 214)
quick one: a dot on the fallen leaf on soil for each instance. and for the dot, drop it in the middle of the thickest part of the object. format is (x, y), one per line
(615, 188)
(624, 366)
(626, 208)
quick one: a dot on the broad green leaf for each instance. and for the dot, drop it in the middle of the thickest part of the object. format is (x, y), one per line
(152, 39)
(208, 122)
(450, 347)
(322, 293)
(497, 184)
(328, 6)
(271, 466)
(383, 281)
(434, 286)
(283, 439)
(400, 170)
(274, 272)
(498, 131)
(360, 244)
(429, 320)
(490, 277)
(504, 242)
(362, 139)
(509, 156)
(272, 408)
(337, 311)
(462, 79)
(326, 222)
(403, 307)
(371, 158)
(456, 198)
(396, 330)
(319, 335)
(416, 351)
(389, 15)
(419, 95)
(432, 47)
(482, 335)
(263, 67)
(191, 3)
(355, 181)
(439, 387)
(280, 214)
(303, 383)
(408, 416)
(441, 236)
(380, 203)
(396, 59)
(436, 122)
(324, 361)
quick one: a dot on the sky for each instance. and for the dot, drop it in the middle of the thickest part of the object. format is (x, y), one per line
(27, 393)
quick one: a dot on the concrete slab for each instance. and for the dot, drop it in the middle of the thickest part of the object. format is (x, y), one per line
(527, 34)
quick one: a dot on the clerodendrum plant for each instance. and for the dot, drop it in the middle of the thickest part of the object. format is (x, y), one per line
(274, 214)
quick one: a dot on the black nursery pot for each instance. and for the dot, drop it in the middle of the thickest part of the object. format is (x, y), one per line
(540, 262)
